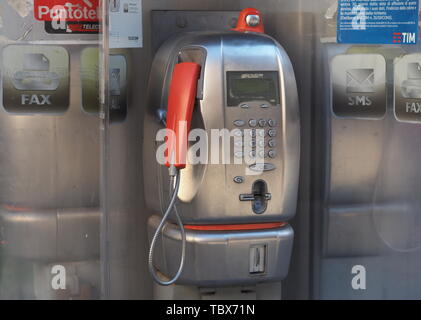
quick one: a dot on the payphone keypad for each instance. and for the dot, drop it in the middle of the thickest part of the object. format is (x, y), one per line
(269, 133)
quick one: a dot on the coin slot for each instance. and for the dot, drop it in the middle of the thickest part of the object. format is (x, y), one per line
(259, 191)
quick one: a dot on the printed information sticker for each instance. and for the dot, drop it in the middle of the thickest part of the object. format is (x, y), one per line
(126, 24)
(377, 21)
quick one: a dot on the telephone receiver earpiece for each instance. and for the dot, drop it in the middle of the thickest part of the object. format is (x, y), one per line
(181, 101)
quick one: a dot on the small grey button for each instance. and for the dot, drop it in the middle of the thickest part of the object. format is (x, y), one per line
(272, 123)
(272, 153)
(252, 133)
(262, 167)
(244, 106)
(252, 143)
(252, 154)
(261, 143)
(261, 132)
(238, 133)
(261, 154)
(264, 105)
(252, 122)
(262, 122)
(272, 133)
(239, 123)
(272, 143)
(239, 154)
(238, 179)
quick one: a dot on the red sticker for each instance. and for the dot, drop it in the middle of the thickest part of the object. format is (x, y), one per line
(67, 10)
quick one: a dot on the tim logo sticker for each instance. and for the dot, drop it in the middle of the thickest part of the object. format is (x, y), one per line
(68, 16)
(404, 37)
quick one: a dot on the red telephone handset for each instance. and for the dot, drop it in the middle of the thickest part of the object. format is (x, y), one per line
(181, 100)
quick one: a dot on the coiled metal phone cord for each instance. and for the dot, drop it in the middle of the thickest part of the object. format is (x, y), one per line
(170, 208)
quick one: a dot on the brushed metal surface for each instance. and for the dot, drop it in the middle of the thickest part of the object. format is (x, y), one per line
(49, 172)
(222, 258)
(126, 246)
(50, 235)
(207, 192)
(51, 161)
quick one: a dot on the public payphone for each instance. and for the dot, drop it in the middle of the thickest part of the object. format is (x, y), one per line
(231, 199)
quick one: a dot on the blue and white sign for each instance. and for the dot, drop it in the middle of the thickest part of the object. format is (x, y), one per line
(378, 21)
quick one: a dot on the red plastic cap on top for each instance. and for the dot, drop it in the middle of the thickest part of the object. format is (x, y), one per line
(250, 20)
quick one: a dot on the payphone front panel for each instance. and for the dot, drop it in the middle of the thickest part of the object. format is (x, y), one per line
(246, 86)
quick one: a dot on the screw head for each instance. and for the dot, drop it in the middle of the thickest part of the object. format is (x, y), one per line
(252, 20)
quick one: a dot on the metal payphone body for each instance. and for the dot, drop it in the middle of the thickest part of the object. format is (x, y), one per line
(223, 194)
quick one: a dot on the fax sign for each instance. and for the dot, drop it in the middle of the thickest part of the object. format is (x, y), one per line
(407, 88)
(35, 79)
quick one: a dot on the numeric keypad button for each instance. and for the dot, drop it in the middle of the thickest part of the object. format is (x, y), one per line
(272, 122)
(252, 123)
(262, 123)
(261, 133)
(261, 154)
(272, 153)
(238, 133)
(272, 133)
(238, 154)
(238, 144)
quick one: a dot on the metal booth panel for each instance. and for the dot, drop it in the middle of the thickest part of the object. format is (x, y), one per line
(50, 160)
(368, 213)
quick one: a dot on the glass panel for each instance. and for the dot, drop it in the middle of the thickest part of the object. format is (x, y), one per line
(50, 159)
(80, 105)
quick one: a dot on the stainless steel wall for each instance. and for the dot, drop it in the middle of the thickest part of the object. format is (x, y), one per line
(49, 174)
(357, 178)
(368, 209)
(365, 208)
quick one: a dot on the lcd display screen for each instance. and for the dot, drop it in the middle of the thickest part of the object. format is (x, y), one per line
(250, 86)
